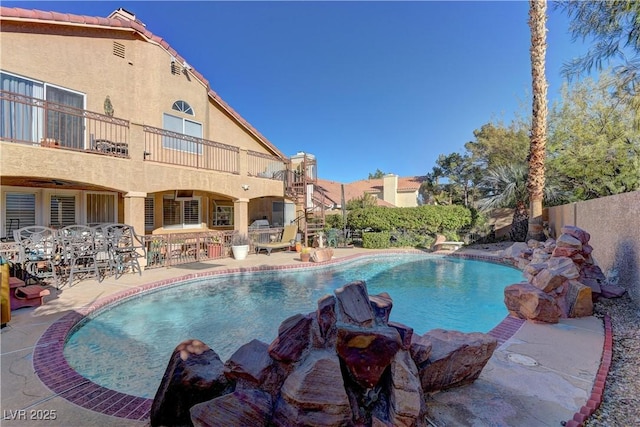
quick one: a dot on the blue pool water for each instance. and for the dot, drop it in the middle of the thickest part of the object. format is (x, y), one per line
(127, 347)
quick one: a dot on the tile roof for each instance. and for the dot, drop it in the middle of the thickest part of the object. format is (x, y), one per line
(333, 190)
(31, 15)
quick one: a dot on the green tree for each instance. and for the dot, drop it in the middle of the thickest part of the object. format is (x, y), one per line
(367, 200)
(593, 149)
(462, 174)
(431, 191)
(376, 175)
(614, 27)
(504, 187)
(538, 137)
(499, 145)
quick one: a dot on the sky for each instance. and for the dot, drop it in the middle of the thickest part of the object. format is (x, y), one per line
(362, 85)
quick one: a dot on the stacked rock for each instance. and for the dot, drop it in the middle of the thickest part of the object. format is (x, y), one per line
(562, 279)
(345, 364)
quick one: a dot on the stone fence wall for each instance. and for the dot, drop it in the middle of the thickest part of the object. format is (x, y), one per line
(614, 225)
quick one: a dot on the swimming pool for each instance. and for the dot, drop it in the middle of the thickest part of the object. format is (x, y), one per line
(225, 312)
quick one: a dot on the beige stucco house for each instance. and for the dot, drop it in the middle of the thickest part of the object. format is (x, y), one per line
(391, 190)
(102, 121)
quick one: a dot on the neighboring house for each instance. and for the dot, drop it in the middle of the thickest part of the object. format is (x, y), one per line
(390, 190)
(102, 121)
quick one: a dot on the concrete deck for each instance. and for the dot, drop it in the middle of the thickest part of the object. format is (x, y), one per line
(540, 376)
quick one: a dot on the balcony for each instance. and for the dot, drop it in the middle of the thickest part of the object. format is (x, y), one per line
(34, 121)
(37, 122)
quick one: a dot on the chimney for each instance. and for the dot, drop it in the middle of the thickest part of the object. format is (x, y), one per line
(390, 188)
(125, 15)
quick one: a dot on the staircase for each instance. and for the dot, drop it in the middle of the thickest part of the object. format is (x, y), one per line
(300, 186)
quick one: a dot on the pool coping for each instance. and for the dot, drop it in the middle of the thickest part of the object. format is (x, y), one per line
(56, 374)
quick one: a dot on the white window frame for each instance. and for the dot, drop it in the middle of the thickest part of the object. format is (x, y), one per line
(182, 224)
(39, 132)
(222, 210)
(185, 145)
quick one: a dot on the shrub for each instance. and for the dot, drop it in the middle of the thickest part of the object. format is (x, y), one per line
(376, 240)
(427, 219)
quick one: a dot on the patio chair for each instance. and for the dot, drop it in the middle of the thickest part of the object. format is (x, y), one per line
(101, 242)
(125, 248)
(39, 253)
(288, 236)
(332, 237)
(79, 251)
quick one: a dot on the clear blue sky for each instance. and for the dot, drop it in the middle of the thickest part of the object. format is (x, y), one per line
(361, 85)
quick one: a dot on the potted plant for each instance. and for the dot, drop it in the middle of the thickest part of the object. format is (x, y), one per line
(214, 247)
(305, 254)
(240, 246)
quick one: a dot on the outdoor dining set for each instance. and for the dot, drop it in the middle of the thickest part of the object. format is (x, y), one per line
(69, 254)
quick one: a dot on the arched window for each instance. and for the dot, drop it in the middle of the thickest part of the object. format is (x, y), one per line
(183, 107)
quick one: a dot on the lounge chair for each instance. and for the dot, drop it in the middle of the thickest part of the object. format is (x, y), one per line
(288, 235)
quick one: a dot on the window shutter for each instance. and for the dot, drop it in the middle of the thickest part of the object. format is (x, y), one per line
(100, 208)
(63, 211)
(20, 211)
(149, 222)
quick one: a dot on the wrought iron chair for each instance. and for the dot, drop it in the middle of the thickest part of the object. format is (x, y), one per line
(332, 237)
(125, 248)
(79, 251)
(39, 253)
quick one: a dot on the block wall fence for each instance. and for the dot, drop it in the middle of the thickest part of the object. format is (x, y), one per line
(614, 225)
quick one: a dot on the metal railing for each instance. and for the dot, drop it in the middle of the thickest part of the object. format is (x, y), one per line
(165, 250)
(265, 166)
(34, 121)
(163, 146)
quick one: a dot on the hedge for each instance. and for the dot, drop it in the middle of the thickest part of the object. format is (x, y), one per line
(428, 219)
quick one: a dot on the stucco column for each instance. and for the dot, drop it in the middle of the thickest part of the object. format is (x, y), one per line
(134, 214)
(241, 215)
(134, 210)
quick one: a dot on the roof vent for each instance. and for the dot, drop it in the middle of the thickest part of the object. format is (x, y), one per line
(118, 49)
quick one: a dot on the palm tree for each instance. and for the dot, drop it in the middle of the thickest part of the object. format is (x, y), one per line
(538, 137)
(506, 187)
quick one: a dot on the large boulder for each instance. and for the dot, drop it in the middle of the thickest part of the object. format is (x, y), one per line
(251, 363)
(294, 337)
(456, 359)
(577, 233)
(405, 396)
(525, 301)
(322, 255)
(420, 349)
(353, 304)
(514, 251)
(238, 409)
(381, 305)
(557, 270)
(580, 299)
(406, 334)
(314, 394)
(567, 246)
(366, 353)
(195, 374)
(326, 317)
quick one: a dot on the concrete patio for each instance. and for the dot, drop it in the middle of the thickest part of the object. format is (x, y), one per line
(540, 376)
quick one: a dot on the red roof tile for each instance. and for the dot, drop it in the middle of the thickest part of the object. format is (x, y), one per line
(333, 190)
